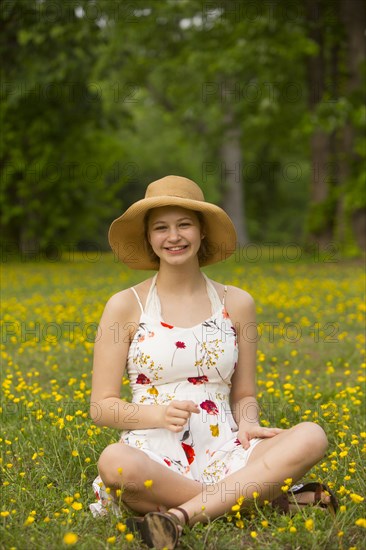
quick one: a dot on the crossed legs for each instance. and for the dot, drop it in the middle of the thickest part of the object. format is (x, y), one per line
(289, 454)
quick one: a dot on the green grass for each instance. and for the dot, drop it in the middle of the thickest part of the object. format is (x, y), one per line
(310, 367)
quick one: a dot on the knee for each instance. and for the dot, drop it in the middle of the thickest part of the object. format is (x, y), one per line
(313, 440)
(115, 468)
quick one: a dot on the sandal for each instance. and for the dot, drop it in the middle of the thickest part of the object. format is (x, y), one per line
(282, 503)
(159, 529)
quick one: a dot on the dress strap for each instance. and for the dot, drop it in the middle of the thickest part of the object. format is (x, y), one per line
(138, 299)
(212, 294)
(223, 298)
(152, 306)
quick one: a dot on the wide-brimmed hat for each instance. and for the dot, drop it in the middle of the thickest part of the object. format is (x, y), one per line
(127, 233)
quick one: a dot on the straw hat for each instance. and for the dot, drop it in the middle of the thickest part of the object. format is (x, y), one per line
(127, 233)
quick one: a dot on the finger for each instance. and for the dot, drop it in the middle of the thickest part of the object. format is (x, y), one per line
(266, 433)
(174, 428)
(177, 420)
(179, 413)
(244, 440)
(189, 406)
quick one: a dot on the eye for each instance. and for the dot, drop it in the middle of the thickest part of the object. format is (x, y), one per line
(185, 224)
(159, 228)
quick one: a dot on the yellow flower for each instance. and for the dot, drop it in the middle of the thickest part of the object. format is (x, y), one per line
(361, 522)
(4, 514)
(119, 470)
(153, 391)
(69, 500)
(309, 524)
(253, 534)
(129, 537)
(75, 453)
(111, 540)
(148, 483)
(70, 538)
(356, 498)
(118, 492)
(292, 529)
(121, 527)
(255, 494)
(235, 508)
(29, 520)
(76, 505)
(264, 523)
(214, 430)
(240, 524)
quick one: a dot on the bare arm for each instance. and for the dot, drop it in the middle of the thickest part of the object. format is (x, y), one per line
(116, 329)
(243, 392)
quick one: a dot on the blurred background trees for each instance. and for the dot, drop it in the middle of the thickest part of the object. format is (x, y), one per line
(261, 103)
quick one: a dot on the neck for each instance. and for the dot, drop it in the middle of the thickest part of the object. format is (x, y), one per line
(180, 280)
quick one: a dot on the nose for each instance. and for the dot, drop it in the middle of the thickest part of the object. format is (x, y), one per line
(173, 234)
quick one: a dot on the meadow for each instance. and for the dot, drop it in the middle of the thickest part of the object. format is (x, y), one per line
(310, 365)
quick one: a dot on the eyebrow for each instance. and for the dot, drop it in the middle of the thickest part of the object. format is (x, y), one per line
(178, 220)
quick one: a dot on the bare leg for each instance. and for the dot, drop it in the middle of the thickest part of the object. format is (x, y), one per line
(288, 455)
(123, 466)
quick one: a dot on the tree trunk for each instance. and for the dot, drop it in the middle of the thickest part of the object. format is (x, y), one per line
(232, 168)
(353, 16)
(320, 217)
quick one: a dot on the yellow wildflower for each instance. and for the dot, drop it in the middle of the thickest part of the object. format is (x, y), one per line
(70, 538)
(309, 524)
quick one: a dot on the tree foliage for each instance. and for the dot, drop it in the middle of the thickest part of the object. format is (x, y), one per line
(103, 96)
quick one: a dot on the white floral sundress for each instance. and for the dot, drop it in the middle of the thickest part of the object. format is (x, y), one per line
(167, 362)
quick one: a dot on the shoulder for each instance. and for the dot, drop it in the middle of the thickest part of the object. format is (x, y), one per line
(240, 297)
(124, 302)
(238, 301)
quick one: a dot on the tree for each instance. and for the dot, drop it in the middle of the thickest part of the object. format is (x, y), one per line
(55, 149)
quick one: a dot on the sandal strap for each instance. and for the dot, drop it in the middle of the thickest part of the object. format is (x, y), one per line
(318, 494)
(185, 515)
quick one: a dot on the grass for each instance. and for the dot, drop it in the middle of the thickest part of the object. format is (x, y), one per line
(310, 367)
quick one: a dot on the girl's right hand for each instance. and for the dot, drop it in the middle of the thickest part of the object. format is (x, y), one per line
(176, 414)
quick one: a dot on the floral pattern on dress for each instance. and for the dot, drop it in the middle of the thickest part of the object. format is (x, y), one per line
(168, 363)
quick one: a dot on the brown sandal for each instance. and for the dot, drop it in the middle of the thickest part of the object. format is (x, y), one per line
(282, 503)
(159, 529)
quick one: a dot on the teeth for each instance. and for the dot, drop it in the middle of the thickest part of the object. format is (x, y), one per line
(176, 248)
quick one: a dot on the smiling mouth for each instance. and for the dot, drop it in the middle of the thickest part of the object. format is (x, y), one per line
(176, 248)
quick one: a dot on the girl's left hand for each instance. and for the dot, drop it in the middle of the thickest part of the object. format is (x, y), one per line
(250, 431)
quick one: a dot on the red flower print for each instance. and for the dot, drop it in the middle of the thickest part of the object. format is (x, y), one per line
(190, 454)
(167, 461)
(237, 442)
(210, 407)
(178, 345)
(142, 379)
(166, 325)
(197, 380)
(225, 313)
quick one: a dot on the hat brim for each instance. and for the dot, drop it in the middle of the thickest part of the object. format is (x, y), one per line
(127, 240)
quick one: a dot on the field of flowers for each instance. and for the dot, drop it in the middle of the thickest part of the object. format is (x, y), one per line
(311, 366)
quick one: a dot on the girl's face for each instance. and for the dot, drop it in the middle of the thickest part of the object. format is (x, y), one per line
(174, 234)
